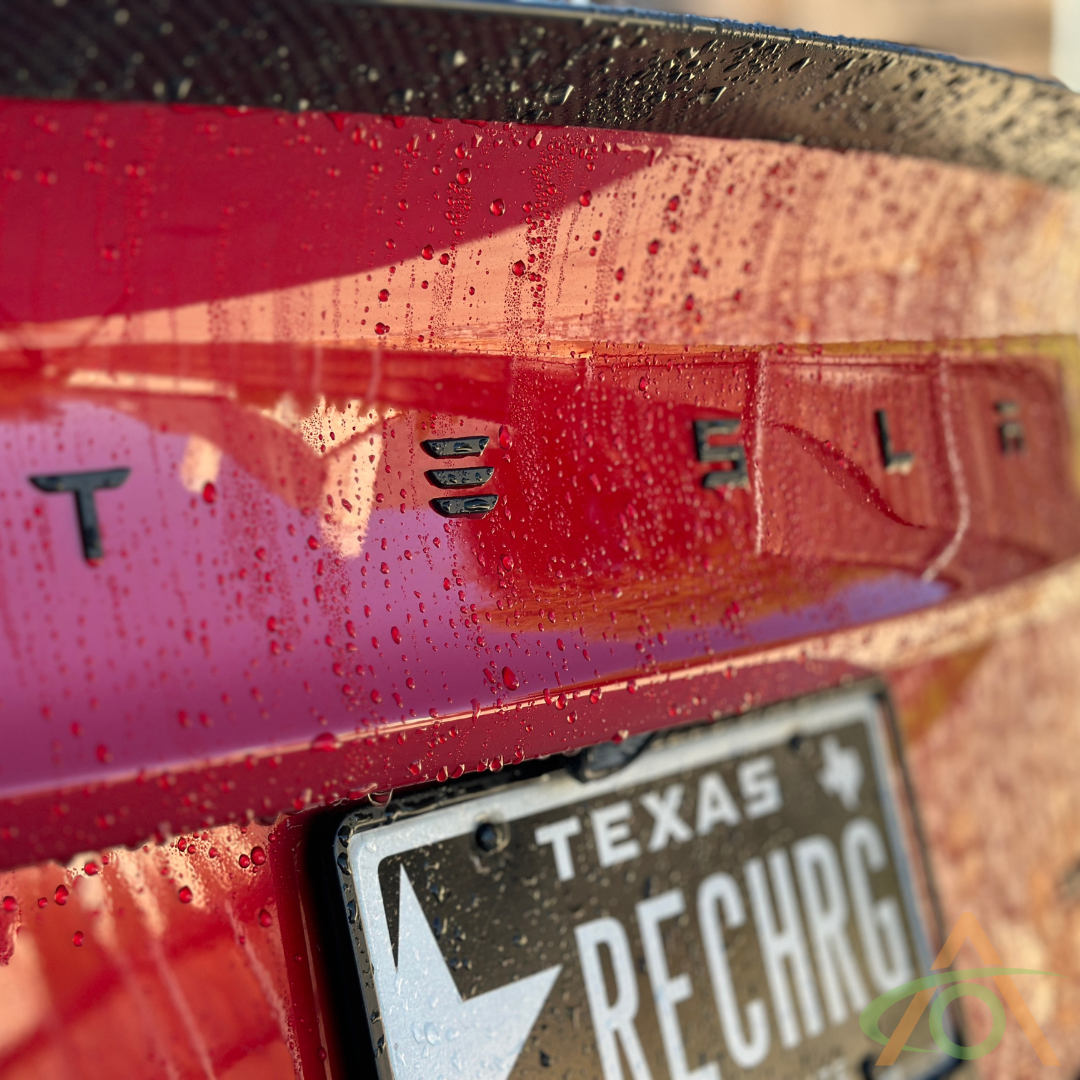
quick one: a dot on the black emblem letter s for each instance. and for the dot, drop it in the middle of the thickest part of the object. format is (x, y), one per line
(730, 457)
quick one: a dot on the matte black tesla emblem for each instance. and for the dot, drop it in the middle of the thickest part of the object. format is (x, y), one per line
(896, 461)
(729, 456)
(476, 476)
(83, 485)
(455, 478)
(466, 506)
(469, 446)
(1010, 430)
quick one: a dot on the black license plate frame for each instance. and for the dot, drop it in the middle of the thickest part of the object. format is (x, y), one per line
(421, 862)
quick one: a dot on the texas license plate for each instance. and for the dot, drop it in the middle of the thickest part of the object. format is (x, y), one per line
(726, 905)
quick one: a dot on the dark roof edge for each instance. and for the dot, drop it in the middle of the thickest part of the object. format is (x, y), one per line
(545, 63)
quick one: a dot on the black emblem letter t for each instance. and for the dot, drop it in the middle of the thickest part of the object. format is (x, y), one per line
(83, 485)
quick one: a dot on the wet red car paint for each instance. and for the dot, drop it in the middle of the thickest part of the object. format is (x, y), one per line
(263, 316)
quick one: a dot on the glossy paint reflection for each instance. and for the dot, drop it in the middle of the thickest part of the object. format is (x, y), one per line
(277, 579)
(263, 316)
(173, 953)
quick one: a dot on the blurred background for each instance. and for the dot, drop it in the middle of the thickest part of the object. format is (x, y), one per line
(1037, 37)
